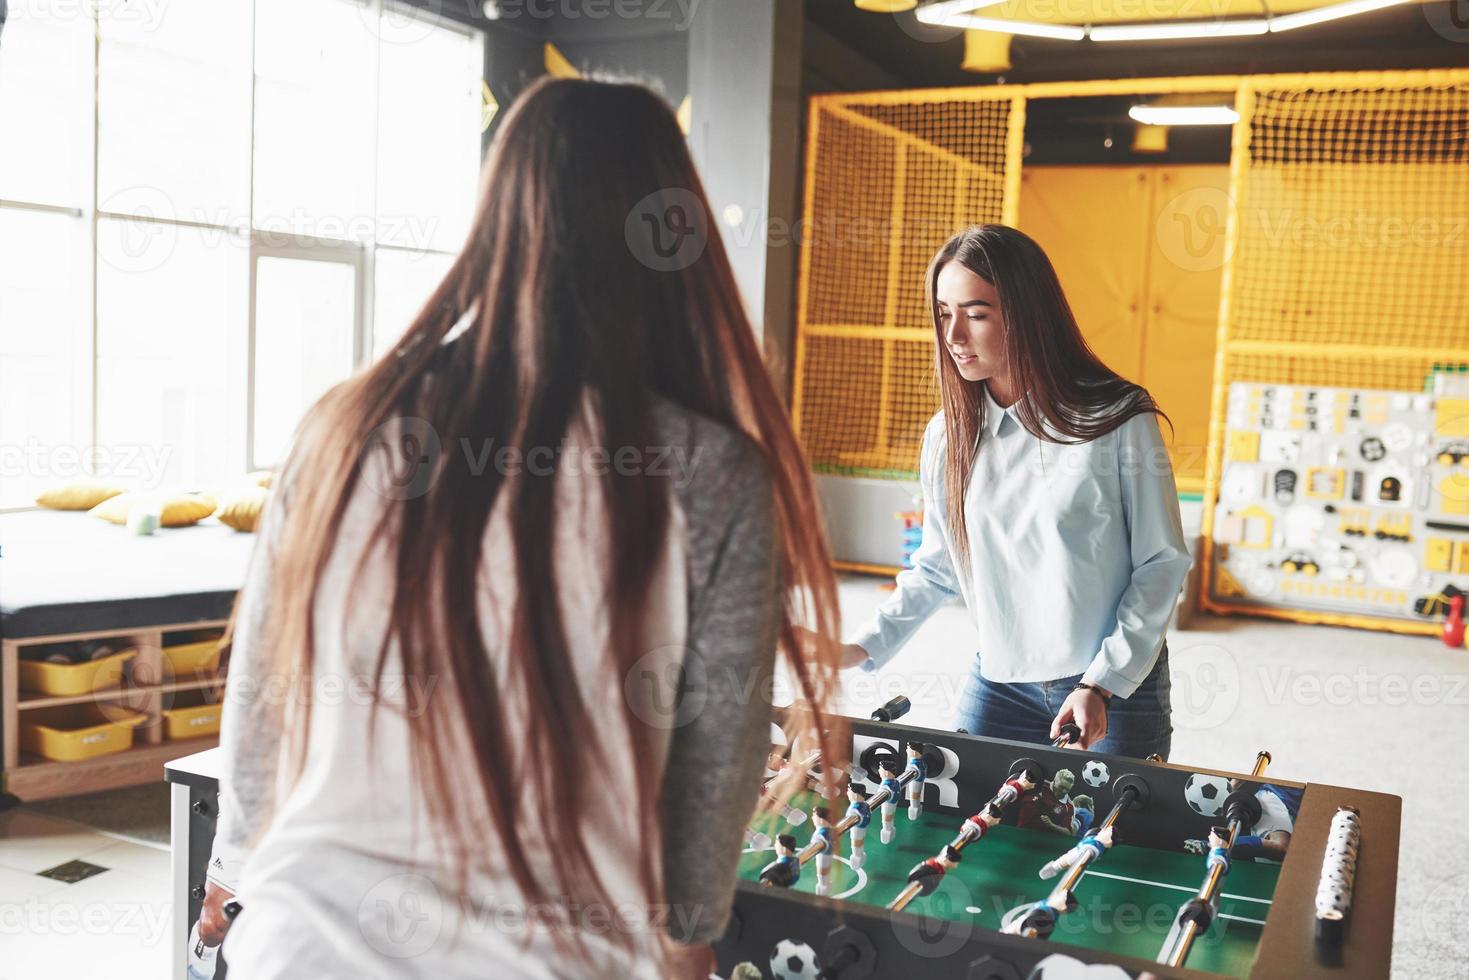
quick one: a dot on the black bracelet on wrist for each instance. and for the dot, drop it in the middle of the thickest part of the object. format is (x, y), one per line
(1084, 686)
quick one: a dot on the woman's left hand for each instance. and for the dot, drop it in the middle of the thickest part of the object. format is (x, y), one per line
(1087, 711)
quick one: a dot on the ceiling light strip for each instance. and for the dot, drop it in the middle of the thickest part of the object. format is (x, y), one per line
(957, 13)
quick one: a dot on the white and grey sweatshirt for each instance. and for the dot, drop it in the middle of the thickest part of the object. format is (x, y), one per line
(341, 873)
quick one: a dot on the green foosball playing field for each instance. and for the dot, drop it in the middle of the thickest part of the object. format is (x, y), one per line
(1126, 901)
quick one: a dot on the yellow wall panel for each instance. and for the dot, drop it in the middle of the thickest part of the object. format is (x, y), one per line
(1094, 224)
(1139, 251)
(1181, 313)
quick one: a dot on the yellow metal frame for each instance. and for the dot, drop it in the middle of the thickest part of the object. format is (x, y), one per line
(1244, 88)
(865, 568)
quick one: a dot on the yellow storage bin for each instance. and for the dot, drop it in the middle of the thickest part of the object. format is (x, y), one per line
(194, 715)
(75, 732)
(192, 657)
(68, 680)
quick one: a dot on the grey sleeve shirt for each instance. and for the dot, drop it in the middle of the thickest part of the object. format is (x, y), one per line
(716, 752)
(715, 760)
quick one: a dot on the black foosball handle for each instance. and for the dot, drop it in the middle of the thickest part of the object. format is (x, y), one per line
(848, 955)
(893, 710)
(1069, 734)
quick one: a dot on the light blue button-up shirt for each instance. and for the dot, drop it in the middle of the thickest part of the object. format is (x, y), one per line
(1076, 554)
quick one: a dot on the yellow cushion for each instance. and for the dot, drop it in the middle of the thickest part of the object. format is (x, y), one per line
(175, 510)
(242, 510)
(78, 495)
(261, 478)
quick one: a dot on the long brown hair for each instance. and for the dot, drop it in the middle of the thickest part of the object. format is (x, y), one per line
(1067, 394)
(550, 306)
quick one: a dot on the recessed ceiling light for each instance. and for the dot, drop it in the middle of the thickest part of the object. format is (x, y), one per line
(1184, 115)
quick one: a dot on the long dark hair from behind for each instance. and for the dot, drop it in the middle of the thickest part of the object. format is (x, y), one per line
(1067, 394)
(549, 308)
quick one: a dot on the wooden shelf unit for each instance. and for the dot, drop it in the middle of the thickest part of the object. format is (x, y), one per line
(144, 689)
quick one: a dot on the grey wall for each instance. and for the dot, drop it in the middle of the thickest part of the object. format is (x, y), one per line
(648, 40)
(745, 79)
(739, 62)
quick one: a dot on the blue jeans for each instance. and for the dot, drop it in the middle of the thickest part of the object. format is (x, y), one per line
(1138, 726)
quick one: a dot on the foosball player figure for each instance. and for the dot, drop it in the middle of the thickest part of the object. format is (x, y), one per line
(889, 772)
(857, 807)
(821, 819)
(785, 870)
(1269, 838)
(1094, 844)
(1218, 849)
(1015, 787)
(919, 766)
(928, 874)
(978, 825)
(792, 816)
(755, 840)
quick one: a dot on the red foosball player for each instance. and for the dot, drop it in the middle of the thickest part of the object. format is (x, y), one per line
(978, 825)
(1015, 787)
(928, 874)
(785, 870)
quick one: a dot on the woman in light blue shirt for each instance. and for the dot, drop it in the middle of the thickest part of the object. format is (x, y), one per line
(1049, 506)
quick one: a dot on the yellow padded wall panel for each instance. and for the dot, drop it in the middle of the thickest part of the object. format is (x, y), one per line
(1093, 223)
(1139, 251)
(1181, 311)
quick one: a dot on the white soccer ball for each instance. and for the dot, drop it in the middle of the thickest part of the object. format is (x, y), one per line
(1095, 773)
(791, 960)
(1059, 966)
(1205, 794)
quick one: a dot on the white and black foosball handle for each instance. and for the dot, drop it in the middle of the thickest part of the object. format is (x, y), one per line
(1338, 871)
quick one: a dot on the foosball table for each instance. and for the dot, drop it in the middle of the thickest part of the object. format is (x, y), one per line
(946, 855)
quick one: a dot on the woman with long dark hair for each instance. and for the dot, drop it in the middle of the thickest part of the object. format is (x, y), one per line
(498, 696)
(1049, 506)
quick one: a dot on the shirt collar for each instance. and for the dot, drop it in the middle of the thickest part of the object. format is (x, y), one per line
(994, 415)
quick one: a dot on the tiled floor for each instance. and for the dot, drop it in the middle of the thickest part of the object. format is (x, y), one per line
(1345, 707)
(114, 924)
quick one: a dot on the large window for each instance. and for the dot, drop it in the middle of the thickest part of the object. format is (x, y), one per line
(211, 211)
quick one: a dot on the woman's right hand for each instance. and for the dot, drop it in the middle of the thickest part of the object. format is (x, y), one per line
(853, 656)
(213, 923)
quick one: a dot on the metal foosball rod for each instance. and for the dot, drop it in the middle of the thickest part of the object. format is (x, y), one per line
(822, 843)
(793, 816)
(924, 879)
(1040, 919)
(1195, 916)
(847, 822)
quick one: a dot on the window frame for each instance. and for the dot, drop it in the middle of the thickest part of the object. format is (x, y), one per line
(304, 249)
(262, 242)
